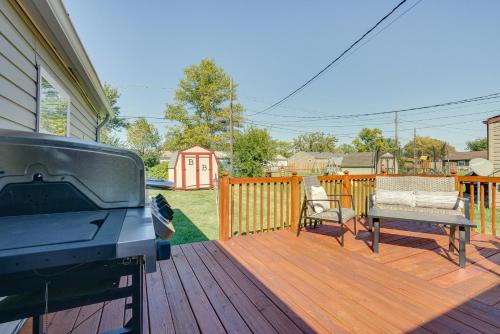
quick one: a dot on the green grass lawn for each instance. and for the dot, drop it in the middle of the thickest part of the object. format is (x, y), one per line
(487, 219)
(195, 215)
(196, 219)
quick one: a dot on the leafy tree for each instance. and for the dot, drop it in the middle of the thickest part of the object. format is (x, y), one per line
(159, 171)
(201, 108)
(143, 138)
(253, 149)
(315, 142)
(435, 148)
(371, 140)
(479, 144)
(283, 148)
(346, 148)
(115, 123)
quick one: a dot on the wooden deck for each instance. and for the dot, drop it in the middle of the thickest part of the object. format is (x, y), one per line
(275, 282)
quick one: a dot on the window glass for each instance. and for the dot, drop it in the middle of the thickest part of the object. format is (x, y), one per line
(54, 107)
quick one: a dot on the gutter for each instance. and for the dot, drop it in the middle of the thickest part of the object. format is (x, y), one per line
(99, 127)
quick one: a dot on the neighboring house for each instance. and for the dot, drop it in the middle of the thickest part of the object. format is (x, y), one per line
(459, 161)
(313, 161)
(367, 163)
(47, 82)
(279, 162)
(165, 156)
(493, 130)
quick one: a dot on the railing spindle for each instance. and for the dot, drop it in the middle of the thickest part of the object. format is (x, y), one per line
(240, 214)
(472, 204)
(481, 205)
(268, 207)
(494, 209)
(247, 222)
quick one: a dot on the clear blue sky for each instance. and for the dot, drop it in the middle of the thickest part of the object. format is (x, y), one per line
(440, 51)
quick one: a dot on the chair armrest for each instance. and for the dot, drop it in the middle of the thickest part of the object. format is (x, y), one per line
(308, 202)
(371, 200)
(345, 195)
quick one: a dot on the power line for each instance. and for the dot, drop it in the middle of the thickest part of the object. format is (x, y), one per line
(301, 87)
(462, 101)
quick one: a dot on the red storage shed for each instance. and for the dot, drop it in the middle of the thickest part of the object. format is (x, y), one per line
(193, 168)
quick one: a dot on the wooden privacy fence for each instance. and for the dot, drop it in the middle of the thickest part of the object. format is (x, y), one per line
(260, 204)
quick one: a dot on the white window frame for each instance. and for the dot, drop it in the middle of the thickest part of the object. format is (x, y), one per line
(62, 92)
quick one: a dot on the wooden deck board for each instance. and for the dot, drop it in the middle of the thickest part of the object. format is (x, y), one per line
(274, 282)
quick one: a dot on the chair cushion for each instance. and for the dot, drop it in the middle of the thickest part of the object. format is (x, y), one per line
(437, 199)
(406, 198)
(333, 215)
(420, 209)
(320, 199)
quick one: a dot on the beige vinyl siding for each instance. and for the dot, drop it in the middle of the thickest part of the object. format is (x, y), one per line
(21, 48)
(494, 150)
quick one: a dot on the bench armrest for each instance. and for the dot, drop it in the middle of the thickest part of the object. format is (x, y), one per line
(464, 204)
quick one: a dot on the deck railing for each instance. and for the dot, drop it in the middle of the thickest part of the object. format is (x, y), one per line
(251, 205)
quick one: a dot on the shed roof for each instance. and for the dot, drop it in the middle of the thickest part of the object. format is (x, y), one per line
(359, 159)
(455, 156)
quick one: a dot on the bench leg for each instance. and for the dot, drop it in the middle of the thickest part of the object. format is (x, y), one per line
(461, 247)
(451, 246)
(355, 229)
(370, 224)
(376, 231)
(467, 235)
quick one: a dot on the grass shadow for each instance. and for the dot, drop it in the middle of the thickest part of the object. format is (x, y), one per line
(185, 230)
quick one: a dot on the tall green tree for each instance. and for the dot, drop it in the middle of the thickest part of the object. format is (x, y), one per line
(432, 147)
(201, 108)
(253, 149)
(143, 138)
(371, 140)
(346, 148)
(479, 144)
(283, 148)
(115, 123)
(315, 142)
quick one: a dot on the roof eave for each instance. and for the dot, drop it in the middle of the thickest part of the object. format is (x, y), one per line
(52, 20)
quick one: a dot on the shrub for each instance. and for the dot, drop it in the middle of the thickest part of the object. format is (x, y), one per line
(159, 171)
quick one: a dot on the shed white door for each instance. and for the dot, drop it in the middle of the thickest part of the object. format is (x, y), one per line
(190, 173)
(204, 171)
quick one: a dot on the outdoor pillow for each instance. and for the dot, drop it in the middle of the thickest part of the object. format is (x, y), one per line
(406, 198)
(320, 199)
(437, 199)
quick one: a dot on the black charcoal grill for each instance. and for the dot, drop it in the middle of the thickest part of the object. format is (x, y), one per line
(73, 224)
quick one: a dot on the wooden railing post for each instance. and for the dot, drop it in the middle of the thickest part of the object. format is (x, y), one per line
(457, 183)
(345, 189)
(224, 207)
(493, 207)
(295, 201)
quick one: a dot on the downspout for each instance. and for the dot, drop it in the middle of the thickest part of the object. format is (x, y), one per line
(99, 127)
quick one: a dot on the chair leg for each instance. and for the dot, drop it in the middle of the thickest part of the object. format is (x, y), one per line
(342, 234)
(370, 224)
(355, 229)
(451, 246)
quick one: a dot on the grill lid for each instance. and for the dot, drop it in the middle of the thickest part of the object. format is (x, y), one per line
(107, 176)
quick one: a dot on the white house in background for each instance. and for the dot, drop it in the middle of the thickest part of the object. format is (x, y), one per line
(279, 162)
(47, 82)
(493, 134)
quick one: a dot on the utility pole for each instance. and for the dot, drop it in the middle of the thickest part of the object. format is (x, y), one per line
(396, 128)
(415, 150)
(231, 129)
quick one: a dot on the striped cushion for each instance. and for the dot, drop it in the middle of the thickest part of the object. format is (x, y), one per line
(437, 199)
(406, 198)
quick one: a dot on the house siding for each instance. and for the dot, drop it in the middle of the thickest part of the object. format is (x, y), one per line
(494, 150)
(21, 49)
